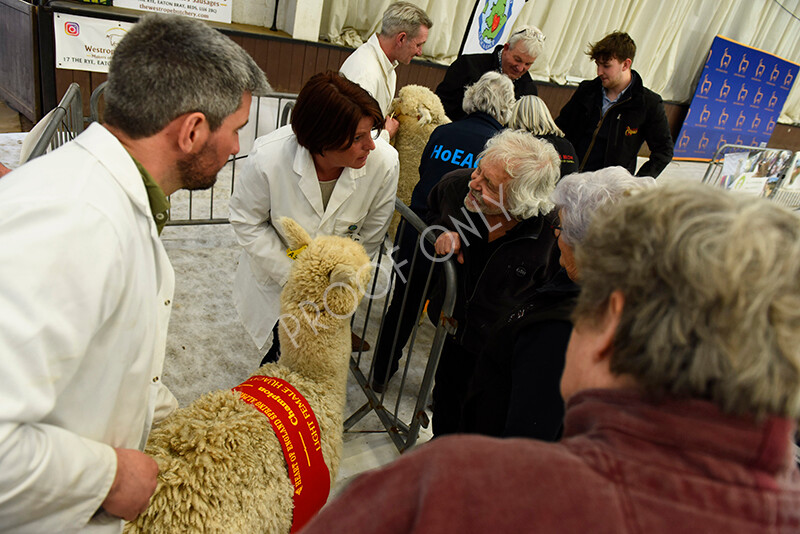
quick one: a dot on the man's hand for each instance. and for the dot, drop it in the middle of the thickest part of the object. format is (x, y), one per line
(391, 125)
(4, 170)
(449, 242)
(134, 484)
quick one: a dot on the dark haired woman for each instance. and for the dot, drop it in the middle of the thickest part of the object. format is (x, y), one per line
(330, 172)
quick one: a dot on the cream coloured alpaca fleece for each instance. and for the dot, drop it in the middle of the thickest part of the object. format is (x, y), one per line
(222, 468)
(419, 111)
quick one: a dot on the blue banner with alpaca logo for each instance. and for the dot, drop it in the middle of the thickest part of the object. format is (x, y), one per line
(738, 99)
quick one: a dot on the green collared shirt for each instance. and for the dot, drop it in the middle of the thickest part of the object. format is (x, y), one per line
(159, 204)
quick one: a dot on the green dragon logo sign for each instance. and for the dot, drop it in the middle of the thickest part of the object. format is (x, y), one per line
(493, 20)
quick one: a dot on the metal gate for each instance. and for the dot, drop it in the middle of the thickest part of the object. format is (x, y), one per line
(779, 185)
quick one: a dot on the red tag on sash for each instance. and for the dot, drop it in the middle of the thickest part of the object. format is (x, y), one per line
(298, 431)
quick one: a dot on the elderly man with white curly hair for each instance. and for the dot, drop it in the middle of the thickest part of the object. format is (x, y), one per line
(451, 146)
(497, 223)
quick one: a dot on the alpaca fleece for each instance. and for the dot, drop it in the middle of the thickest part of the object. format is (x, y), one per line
(221, 464)
(419, 111)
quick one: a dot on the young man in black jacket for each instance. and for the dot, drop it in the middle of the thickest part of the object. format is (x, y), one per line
(608, 118)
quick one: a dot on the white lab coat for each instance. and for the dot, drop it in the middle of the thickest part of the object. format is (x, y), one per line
(85, 293)
(279, 179)
(369, 67)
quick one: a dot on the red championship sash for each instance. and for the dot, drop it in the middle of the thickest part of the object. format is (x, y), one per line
(298, 431)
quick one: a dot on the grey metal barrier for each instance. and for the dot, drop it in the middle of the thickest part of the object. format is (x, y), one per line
(401, 408)
(267, 113)
(62, 124)
(772, 166)
(401, 405)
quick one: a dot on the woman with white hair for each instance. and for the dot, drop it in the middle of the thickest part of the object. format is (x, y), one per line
(517, 388)
(451, 146)
(456, 145)
(578, 196)
(530, 113)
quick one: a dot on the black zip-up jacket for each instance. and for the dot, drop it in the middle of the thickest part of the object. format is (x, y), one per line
(466, 70)
(515, 386)
(615, 139)
(495, 278)
(451, 146)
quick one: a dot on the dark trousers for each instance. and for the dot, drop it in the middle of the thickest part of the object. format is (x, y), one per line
(274, 351)
(399, 321)
(453, 375)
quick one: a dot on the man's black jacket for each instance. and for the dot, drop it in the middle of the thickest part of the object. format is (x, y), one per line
(495, 278)
(468, 69)
(615, 139)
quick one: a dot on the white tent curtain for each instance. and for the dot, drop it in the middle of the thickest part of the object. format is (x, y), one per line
(672, 38)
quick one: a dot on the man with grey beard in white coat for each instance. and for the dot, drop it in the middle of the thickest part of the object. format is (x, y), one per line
(86, 286)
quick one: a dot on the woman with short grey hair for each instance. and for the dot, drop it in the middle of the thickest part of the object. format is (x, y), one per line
(578, 196)
(533, 167)
(492, 94)
(530, 113)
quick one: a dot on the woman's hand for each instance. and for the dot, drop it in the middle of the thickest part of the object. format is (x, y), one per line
(391, 125)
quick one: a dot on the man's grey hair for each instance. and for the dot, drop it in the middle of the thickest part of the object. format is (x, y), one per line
(404, 17)
(711, 295)
(530, 113)
(531, 39)
(168, 65)
(534, 167)
(579, 195)
(493, 94)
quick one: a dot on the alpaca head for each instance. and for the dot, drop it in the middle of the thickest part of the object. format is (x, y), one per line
(420, 104)
(329, 276)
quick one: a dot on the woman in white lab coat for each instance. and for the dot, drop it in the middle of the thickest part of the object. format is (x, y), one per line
(329, 171)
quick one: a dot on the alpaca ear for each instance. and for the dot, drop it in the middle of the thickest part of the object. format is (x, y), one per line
(345, 274)
(296, 237)
(424, 115)
(345, 292)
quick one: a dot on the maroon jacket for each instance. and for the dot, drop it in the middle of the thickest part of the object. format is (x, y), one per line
(623, 466)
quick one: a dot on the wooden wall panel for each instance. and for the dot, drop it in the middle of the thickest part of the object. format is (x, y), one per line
(337, 57)
(403, 76)
(321, 60)
(309, 63)
(289, 64)
(785, 136)
(19, 65)
(296, 53)
(63, 80)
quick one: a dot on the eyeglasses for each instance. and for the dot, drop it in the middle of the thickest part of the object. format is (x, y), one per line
(554, 228)
(530, 33)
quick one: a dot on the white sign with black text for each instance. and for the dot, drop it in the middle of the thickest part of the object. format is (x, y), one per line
(85, 43)
(213, 10)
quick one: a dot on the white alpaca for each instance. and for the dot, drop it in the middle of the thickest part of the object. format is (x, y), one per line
(222, 468)
(419, 111)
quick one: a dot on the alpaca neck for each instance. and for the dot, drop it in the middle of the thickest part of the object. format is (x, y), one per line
(322, 336)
